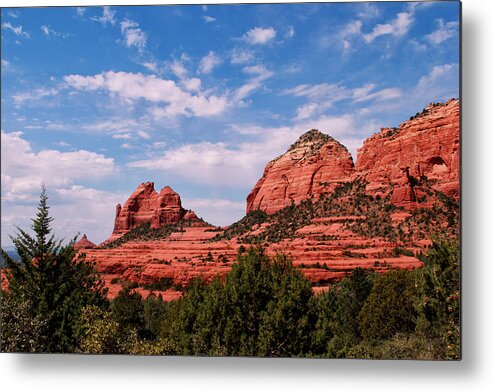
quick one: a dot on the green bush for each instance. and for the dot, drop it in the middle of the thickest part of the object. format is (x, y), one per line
(390, 308)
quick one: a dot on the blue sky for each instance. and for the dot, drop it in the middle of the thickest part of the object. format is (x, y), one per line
(96, 100)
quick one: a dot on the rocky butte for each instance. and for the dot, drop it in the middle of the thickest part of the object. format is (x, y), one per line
(312, 203)
(315, 164)
(392, 161)
(145, 205)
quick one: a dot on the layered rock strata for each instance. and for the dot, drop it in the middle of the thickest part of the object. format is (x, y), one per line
(393, 161)
(424, 148)
(315, 164)
(145, 205)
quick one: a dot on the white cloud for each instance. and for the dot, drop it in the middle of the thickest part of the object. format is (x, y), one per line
(318, 91)
(417, 46)
(17, 30)
(382, 95)
(241, 56)
(75, 209)
(127, 146)
(178, 68)
(208, 19)
(260, 74)
(219, 212)
(290, 32)
(23, 170)
(368, 11)
(135, 86)
(48, 31)
(240, 165)
(133, 34)
(34, 95)
(441, 83)
(259, 36)
(85, 210)
(398, 27)
(350, 30)
(108, 16)
(322, 96)
(192, 84)
(209, 62)
(151, 66)
(444, 32)
(114, 125)
(143, 134)
(119, 136)
(5, 64)
(208, 163)
(80, 10)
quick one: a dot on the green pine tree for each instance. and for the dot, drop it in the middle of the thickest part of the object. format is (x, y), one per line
(54, 281)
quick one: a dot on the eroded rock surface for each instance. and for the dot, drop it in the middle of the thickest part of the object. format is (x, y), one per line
(393, 161)
(315, 164)
(424, 148)
(145, 205)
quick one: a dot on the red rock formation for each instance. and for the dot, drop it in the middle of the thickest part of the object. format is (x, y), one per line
(391, 161)
(84, 243)
(426, 146)
(145, 205)
(315, 164)
(185, 255)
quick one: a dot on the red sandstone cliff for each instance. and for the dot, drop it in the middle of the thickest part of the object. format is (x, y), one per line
(145, 205)
(426, 146)
(315, 164)
(391, 161)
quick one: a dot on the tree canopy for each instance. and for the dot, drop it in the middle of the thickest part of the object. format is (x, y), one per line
(54, 280)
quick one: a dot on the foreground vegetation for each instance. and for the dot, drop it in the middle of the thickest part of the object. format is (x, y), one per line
(264, 307)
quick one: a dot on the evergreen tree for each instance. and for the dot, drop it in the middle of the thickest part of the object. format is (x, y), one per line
(128, 310)
(261, 309)
(439, 296)
(350, 297)
(55, 281)
(390, 307)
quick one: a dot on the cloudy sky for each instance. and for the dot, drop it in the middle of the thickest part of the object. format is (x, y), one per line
(96, 100)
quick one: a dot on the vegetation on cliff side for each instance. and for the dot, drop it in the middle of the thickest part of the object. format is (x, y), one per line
(351, 199)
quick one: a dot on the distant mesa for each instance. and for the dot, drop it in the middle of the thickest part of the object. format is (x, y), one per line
(393, 161)
(145, 205)
(84, 243)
